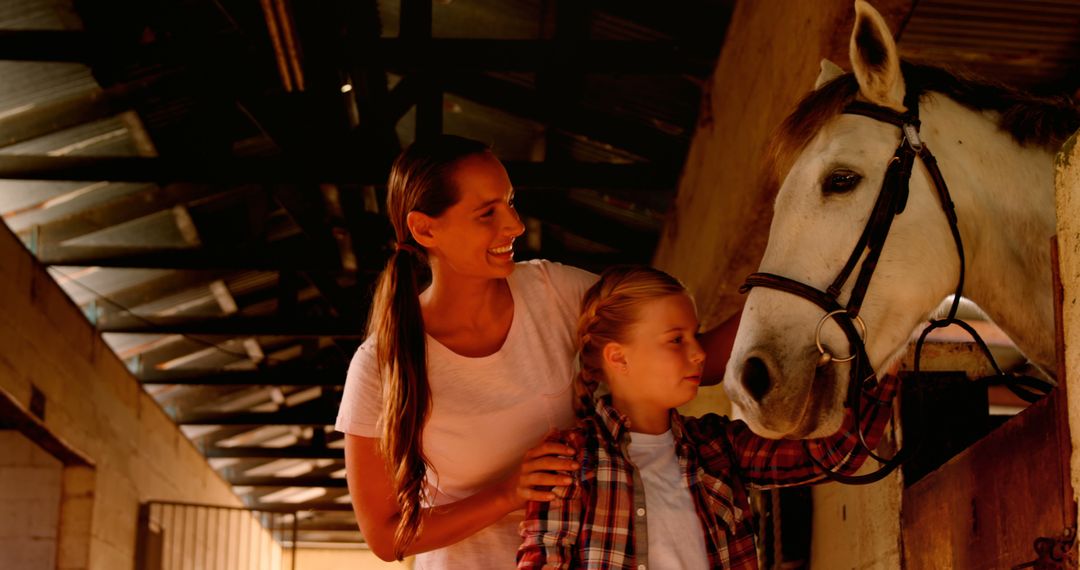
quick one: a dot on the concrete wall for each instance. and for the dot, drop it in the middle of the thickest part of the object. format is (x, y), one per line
(98, 409)
(30, 482)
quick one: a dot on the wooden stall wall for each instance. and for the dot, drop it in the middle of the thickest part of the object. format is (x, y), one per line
(717, 231)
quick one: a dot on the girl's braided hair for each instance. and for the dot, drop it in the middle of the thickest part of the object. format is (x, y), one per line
(608, 311)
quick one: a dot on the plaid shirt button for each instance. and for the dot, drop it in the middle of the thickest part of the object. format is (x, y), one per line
(641, 512)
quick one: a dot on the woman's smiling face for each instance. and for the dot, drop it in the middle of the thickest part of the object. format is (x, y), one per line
(475, 236)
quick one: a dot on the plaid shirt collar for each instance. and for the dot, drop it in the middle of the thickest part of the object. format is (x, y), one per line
(617, 424)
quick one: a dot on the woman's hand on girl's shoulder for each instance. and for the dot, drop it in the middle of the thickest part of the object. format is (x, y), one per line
(549, 464)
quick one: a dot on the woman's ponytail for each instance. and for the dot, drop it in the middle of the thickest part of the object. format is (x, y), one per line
(420, 181)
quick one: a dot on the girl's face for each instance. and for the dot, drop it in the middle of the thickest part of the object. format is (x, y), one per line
(475, 236)
(663, 360)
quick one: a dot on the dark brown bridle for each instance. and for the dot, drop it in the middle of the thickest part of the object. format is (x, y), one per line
(890, 203)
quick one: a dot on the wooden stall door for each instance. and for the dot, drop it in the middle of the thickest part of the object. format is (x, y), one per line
(985, 508)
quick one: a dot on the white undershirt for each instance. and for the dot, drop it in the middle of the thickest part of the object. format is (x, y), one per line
(676, 537)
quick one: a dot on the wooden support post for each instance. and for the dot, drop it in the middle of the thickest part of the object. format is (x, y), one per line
(717, 229)
(1068, 267)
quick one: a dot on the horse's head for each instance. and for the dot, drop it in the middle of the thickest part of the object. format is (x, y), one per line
(834, 165)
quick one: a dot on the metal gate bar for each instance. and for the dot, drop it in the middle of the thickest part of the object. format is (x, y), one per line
(196, 536)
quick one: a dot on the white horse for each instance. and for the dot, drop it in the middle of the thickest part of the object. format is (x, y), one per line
(995, 149)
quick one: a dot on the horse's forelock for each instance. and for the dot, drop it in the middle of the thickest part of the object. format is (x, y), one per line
(798, 129)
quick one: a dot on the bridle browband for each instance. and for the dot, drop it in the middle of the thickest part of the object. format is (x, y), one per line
(890, 203)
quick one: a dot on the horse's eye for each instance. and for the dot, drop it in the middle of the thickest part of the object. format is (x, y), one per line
(840, 181)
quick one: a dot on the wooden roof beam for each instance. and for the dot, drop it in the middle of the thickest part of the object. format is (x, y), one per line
(291, 452)
(320, 412)
(587, 223)
(320, 505)
(237, 326)
(285, 482)
(268, 258)
(280, 375)
(330, 170)
(402, 55)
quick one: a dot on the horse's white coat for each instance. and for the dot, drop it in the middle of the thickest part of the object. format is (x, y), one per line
(1004, 199)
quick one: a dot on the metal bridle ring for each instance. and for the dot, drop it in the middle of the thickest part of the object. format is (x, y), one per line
(825, 356)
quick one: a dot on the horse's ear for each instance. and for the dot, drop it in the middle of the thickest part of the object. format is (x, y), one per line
(874, 58)
(829, 71)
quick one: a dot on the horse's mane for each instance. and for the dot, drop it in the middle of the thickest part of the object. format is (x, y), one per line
(1029, 119)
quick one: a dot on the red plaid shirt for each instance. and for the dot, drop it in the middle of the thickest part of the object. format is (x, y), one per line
(593, 524)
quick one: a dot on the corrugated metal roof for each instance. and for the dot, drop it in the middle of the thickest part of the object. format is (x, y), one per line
(39, 15)
(28, 83)
(1030, 44)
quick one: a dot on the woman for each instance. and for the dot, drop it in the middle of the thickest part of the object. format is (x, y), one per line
(458, 380)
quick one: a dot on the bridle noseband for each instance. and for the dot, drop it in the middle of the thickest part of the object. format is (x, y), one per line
(890, 203)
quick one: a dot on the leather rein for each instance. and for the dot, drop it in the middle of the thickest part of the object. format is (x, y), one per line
(891, 201)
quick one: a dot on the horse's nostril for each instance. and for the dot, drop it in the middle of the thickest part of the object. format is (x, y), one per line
(755, 378)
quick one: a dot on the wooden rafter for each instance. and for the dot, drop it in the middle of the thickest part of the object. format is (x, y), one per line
(281, 375)
(329, 170)
(405, 55)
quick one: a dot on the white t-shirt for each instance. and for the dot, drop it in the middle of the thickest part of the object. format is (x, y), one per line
(676, 537)
(488, 411)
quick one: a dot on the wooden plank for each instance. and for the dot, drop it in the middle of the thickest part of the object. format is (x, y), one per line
(986, 506)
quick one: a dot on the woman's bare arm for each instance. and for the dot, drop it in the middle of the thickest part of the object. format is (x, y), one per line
(377, 512)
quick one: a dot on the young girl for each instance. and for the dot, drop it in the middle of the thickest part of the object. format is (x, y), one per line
(656, 489)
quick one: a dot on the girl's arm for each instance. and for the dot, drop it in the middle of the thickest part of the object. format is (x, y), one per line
(764, 462)
(717, 344)
(377, 511)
